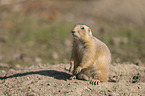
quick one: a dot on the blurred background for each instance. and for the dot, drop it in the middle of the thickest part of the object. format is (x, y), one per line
(39, 31)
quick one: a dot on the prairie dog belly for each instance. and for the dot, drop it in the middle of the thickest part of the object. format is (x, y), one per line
(78, 52)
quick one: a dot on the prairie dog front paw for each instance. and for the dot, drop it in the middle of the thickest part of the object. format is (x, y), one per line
(77, 70)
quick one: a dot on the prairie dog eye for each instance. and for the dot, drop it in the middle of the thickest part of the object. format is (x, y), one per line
(82, 28)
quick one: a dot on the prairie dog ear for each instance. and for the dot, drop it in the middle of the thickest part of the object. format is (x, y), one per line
(89, 31)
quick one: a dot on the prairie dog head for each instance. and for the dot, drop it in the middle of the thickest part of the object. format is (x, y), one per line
(81, 31)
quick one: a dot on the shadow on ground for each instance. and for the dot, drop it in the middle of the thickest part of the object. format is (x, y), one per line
(51, 73)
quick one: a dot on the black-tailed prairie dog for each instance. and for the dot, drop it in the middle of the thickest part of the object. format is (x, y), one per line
(90, 57)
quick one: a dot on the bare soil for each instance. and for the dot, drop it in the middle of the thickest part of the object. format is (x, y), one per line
(51, 80)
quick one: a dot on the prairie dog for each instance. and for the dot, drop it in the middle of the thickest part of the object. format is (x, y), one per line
(90, 57)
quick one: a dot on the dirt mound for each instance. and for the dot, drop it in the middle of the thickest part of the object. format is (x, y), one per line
(125, 79)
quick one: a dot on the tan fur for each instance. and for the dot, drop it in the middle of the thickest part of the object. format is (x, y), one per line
(90, 57)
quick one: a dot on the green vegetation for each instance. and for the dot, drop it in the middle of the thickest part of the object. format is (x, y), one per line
(33, 34)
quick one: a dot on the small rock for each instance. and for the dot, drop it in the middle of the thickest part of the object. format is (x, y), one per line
(55, 55)
(113, 79)
(31, 94)
(38, 60)
(115, 94)
(12, 70)
(18, 66)
(2, 75)
(4, 65)
(89, 88)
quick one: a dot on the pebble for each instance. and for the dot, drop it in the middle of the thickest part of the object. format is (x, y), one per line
(2, 75)
(4, 65)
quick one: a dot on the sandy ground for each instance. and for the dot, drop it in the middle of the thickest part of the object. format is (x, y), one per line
(50, 80)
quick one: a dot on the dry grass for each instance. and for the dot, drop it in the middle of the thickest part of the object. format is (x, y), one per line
(122, 11)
